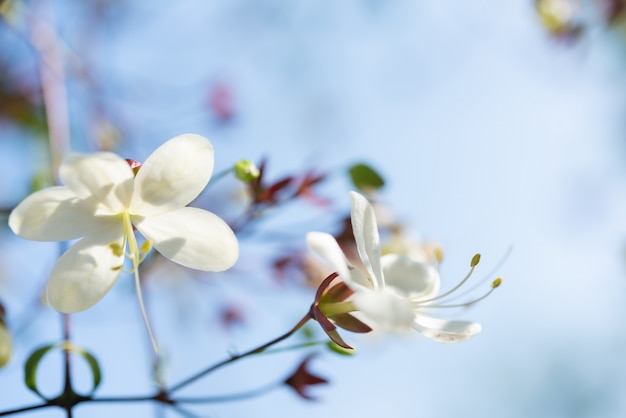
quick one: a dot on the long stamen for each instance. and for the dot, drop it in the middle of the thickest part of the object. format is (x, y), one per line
(475, 261)
(481, 282)
(494, 285)
(135, 256)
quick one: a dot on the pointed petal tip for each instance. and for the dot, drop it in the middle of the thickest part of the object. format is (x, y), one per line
(356, 195)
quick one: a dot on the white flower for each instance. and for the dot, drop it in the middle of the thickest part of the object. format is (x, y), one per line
(102, 202)
(394, 292)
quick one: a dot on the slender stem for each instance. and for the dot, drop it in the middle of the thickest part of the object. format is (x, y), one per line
(217, 176)
(294, 347)
(25, 409)
(164, 396)
(236, 357)
(124, 399)
(183, 412)
(67, 388)
(232, 397)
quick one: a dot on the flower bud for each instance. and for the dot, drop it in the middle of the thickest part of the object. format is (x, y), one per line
(134, 165)
(5, 344)
(560, 17)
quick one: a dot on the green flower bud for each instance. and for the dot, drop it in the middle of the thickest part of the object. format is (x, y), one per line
(246, 171)
(5, 345)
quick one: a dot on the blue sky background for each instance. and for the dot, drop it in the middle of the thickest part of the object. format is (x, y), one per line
(491, 135)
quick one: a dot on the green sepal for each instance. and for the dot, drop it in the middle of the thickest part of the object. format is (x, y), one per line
(340, 350)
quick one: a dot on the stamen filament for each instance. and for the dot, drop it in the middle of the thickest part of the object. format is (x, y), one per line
(494, 285)
(443, 295)
(135, 258)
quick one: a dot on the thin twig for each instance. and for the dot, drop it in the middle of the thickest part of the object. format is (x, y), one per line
(123, 399)
(68, 390)
(25, 409)
(236, 357)
(183, 412)
(232, 397)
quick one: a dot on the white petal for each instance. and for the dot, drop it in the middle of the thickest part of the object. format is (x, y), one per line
(413, 279)
(173, 175)
(388, 311)
(192, 237)
(365, 231)
(104, 176)
(56, 214)
(446, 331)
(86, 271)
(326, 247)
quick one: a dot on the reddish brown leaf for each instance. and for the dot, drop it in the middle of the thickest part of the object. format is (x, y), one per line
(301, 379)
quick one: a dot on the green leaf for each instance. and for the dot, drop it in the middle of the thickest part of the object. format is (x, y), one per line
(365, 178)
(30, 368)
(32, 364)
(93, 365)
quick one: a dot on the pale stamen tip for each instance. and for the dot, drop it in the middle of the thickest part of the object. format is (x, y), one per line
(145, 247)
(497, 282)
(144, 250)
(475, 260)
(438, 254)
